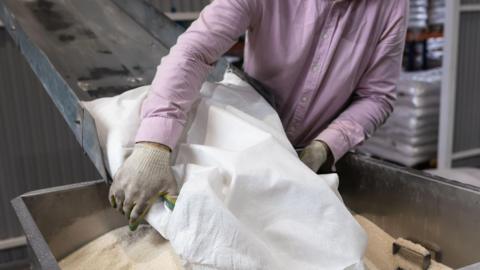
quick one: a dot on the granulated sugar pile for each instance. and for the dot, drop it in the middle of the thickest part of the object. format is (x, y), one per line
(143, 249)
(378, 255)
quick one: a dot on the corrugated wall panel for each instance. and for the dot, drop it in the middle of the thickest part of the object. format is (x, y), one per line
(467, 107)
(469, 2)
(466, 162)
(14, 254)
(37, 149)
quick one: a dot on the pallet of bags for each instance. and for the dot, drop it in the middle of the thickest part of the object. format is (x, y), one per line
(409, 137)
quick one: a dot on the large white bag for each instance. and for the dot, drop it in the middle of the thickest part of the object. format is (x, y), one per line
(247, 201)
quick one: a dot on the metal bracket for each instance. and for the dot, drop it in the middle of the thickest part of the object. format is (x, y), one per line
(408, 254)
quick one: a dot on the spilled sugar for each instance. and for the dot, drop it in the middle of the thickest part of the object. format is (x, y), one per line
(145, 249)
(121, 249)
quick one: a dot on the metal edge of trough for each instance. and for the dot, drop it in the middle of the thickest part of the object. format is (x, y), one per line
(44, 258)
(474, 266)
(38, 247)
(356, 157)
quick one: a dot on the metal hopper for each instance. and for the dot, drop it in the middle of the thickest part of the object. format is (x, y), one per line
(83, 50)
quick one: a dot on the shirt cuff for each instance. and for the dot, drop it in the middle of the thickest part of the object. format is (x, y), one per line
(336, 141)
(161, 130)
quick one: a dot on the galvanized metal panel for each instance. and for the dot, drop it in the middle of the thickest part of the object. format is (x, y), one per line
(105, 53)
(163, 29)
(403, 202)
(406, 203)
(163, 5)
(467, 104)
(37, 149)
(180, 5)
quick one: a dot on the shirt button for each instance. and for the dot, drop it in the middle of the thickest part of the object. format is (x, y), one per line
(324, 36)
(315, 68)
(304, 99)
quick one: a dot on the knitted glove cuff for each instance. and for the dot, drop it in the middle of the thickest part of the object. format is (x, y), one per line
(151, 159)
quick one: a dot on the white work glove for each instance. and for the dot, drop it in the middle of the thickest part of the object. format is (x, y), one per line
(141, 180)
(315, 155)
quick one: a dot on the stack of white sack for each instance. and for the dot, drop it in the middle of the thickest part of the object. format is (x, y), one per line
(246, 200)
(418, 14)
(410, 135)
(436, 12)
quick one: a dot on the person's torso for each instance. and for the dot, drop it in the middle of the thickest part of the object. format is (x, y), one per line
(311, 54)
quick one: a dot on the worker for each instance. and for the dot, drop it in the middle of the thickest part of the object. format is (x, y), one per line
(331, 65)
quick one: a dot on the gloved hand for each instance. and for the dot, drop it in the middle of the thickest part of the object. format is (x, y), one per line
(315, 155)
(142, 178)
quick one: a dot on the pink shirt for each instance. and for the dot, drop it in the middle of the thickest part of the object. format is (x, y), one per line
(332, 66)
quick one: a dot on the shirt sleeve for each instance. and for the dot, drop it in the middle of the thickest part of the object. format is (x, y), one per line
(181, 73)
(373, 99)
